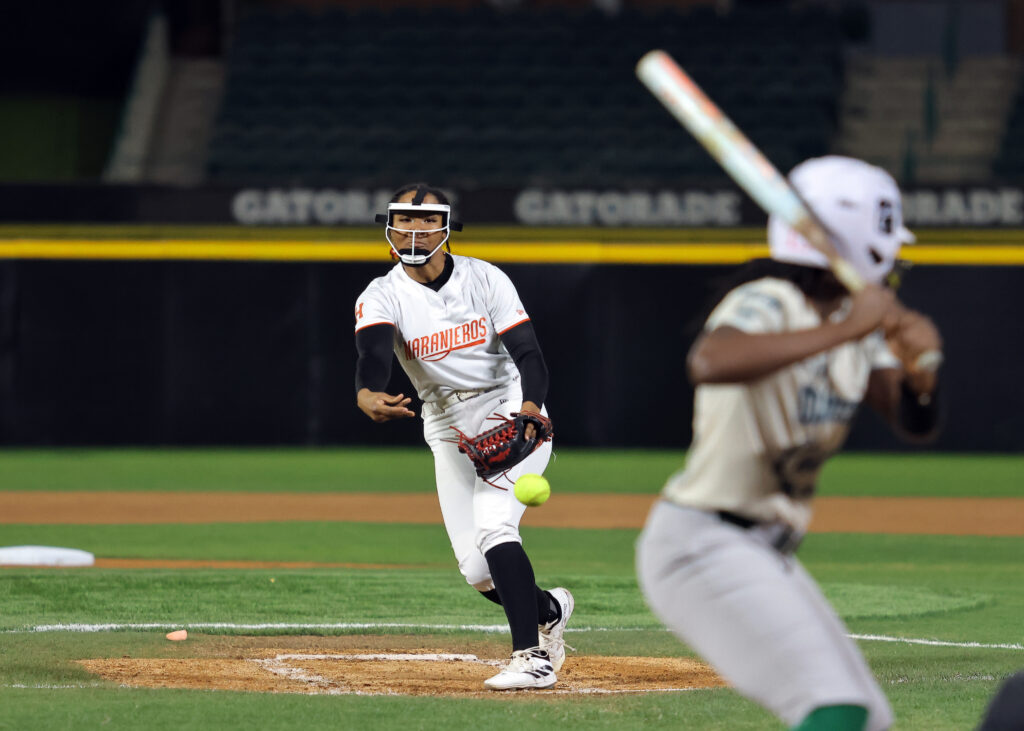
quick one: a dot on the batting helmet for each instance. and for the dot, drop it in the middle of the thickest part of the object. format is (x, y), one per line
(861, 207)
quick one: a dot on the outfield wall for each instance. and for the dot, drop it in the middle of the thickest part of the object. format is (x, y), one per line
(698, 203)
(243, 352)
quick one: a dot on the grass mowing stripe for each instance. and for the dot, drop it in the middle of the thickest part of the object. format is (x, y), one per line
(215, 470)
(357, 469)
(423, 546)
(925, 475)
(346, 597)
(608, 551)
(32, 598)
(174, 710)
(486, 628)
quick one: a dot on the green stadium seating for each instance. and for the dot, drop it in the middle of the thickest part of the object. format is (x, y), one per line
(538, 97)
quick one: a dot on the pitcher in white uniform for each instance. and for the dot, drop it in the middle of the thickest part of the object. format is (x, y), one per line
(783, 363)
(461, 333)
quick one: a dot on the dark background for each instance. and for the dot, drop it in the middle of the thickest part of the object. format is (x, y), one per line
(219, 353)
(262, 353)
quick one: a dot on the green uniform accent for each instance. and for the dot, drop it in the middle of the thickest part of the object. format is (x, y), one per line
(835, 718)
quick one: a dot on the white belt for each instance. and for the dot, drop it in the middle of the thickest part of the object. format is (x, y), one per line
(455, 397)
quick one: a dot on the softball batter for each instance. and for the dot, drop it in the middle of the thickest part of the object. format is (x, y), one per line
(783, 363)
(458, 329)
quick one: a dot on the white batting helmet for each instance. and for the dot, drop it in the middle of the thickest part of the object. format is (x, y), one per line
(859, 203)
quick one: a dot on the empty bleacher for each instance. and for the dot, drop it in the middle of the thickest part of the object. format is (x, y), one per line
(1009, 165)
(927, 122)
(480, 97)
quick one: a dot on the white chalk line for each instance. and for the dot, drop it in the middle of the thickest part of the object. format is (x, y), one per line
(938, 643)
(322, 685)
(486, 628)
(52, 686)
(399, 656)
(123, 626)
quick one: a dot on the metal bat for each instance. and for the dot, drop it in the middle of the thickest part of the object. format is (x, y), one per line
(746, 165)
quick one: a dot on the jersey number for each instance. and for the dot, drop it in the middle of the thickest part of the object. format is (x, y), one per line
(797, 469)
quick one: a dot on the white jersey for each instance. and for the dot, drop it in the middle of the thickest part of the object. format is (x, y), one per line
(449, 340)
(758, 447)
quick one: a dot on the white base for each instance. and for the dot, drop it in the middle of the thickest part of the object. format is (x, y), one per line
(44, 556)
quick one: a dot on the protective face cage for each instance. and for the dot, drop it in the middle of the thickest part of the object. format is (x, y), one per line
(416, 254)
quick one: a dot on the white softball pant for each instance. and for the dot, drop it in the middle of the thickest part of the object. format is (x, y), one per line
(477, 515)
(755, 615)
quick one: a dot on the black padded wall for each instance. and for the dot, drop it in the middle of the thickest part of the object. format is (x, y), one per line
(262, 353)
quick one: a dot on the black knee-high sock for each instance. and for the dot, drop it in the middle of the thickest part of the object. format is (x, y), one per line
(548, 609)
(492, 595)
(513, 578)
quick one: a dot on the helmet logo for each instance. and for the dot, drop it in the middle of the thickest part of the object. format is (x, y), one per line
(885, 216)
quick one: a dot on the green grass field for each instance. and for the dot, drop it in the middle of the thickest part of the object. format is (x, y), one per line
(953, 590)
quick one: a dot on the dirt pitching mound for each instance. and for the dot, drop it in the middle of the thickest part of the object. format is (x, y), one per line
(377, 672)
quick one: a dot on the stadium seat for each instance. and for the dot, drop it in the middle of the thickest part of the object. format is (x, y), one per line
(525, 96)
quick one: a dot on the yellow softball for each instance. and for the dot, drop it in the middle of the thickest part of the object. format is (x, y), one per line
(532, 490)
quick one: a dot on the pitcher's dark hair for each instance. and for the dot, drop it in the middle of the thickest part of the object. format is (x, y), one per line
(422, 191)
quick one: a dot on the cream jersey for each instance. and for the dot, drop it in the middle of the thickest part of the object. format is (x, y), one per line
(448, 340)
(758, 447)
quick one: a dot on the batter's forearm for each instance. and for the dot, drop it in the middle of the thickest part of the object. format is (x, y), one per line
(728, 355)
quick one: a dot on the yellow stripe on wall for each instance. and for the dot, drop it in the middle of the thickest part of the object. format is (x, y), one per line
(566, 252)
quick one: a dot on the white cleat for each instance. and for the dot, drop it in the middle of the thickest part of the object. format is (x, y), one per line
(551, 633)
(527, 669)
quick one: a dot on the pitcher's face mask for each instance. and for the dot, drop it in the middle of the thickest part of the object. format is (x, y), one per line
(415, 231)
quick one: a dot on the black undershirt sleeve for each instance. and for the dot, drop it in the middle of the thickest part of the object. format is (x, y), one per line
(375, 346)
(521, 343)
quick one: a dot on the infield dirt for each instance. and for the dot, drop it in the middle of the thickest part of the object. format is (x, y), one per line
(895, 515)
(385, 666)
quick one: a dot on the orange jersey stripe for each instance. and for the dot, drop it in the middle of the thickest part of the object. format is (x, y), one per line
(512, 326)
(374, 324)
